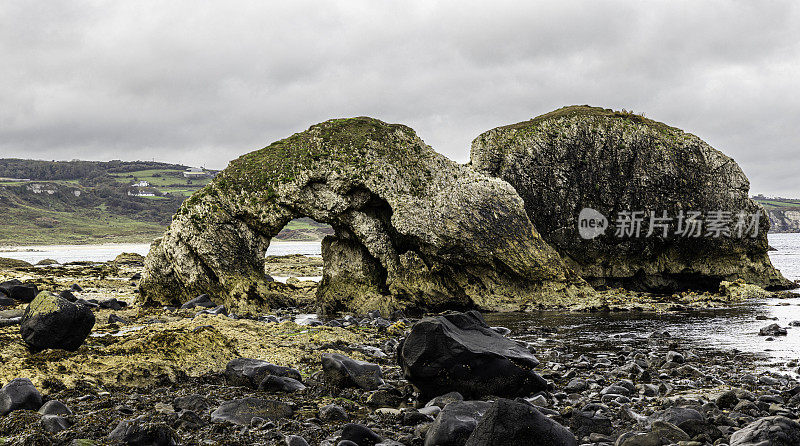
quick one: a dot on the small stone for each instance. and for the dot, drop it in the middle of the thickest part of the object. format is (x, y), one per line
(332, 412)
(341, 371)
(242, 411)
(360, 435)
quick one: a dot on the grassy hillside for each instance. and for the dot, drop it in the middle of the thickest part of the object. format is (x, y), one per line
(68, 202)
(777, 203)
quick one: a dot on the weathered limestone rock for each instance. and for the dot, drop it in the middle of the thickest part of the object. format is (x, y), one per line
(412, 229)
(587, 157)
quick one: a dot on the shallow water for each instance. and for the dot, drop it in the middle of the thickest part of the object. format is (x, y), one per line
(106, 252)
(733, 328)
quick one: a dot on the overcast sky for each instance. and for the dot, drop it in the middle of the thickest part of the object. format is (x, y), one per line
(200, 83)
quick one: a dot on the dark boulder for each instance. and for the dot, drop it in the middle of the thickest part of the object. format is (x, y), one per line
(274, 383)
(341, 371)
(55, 423)
(249, 372)
(459, 352)
(51, 322)
(509, 422)
(332, 412)
(769, 431)
(772, 330)
(142, 431)
(360, 435)
(677, 415)
(112, 304)
(242, 411)
(295, 440)
(114, 319)
(455, 423)
(55, 407)
(193, 402)
(202, 300)
(21, 292)
(19, 394)
(6, 301)
(67, 294)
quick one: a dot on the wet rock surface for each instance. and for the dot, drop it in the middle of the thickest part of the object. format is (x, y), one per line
(588, 157)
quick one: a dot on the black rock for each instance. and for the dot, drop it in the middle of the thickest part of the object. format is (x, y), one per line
(188, 419)
(51, 322)
(274, 383)
(443, 400)
(341, 371)
(248, 372)
(19, 394)
(19, 291)
(584, 423)
(772, 330)
(413, 417)
(6, 301)
(294, 440)
(203, 300)
(509, 423)
(677, 415)
(112, 304)
(136, 276)
(141, 432)
(55, 423)
(67, 294)
(727, 400)
(772, 431)
(360, 435)
(455, 423)
(87, 303)
(55, 407)
(242, 411)
(332, 412)
(193, 402)
(218, 310)
(114, 319)
(697, 428)
(75, 287)
(459, 352)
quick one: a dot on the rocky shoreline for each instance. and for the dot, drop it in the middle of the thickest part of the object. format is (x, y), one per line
(170, 376)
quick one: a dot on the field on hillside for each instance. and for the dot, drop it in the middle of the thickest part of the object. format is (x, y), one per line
(772, 204)
(168, 181)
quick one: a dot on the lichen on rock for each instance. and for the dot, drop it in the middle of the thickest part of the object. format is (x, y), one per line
(419, 230)
(588, 157)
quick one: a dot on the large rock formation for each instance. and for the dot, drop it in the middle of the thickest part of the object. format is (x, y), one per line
(412, 228)
(586, 157)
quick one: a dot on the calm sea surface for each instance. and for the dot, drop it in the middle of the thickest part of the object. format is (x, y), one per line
(735, 327)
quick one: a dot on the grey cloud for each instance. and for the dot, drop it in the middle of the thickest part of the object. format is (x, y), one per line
(204, 82)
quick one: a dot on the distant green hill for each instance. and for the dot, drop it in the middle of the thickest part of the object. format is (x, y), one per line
(64, 202)
(784, 213)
